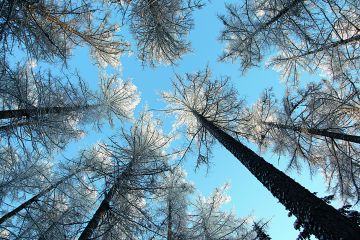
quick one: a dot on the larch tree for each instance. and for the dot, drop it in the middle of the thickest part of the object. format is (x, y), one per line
(209, 222)
(159, 27)
(300, 35)
(259, 229)
(49, 30)
(199, 217)
(21, 174)
(319, 124)
(173, 204)
(137, 166)
(58, 204)
(206, 109)
(39, 109)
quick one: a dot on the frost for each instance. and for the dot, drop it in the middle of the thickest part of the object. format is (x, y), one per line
(118, 97)
(4, 234)
(260, 13)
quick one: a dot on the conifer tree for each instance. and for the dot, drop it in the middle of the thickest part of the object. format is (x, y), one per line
(160, 27)
(305, 35)
(318, 124)
(205, 107)
(137, 165)
(39, 109)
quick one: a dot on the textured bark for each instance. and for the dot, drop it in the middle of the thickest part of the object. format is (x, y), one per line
(19, 113)
(35, 198)
(322, 220)
(319, 132)
(98, 215)
(169, 227)
(103, 208)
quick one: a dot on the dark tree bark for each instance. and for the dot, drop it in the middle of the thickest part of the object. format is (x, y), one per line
(322, 220)
(35, 198)
(98, 215)
(169, 227)
(315, 131)
(19, 113)
(103, 208)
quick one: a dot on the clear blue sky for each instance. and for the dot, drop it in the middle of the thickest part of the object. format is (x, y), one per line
(248, 195)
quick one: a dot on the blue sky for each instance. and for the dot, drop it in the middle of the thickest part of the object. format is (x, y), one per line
(248, 195)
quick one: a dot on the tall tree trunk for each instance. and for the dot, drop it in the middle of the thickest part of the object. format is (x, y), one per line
(315, 131)
(98, 215)
(30, 112)
(36, 197)
(103, 207)
(169, 227)
(322, 220)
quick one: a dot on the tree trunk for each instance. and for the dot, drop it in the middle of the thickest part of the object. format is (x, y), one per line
(169, 227)
(103, 208)
(315, 131)
(98, 215)
(322, 220)
(8, 114)
(36, 197)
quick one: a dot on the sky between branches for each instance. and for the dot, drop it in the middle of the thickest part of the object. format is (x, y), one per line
(247, 194)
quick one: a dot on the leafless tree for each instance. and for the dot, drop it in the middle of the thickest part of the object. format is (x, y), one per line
(200, 217)
(57, 210)
(137, 167)
(160, 27)
(210, 115)
(51, 29)
(319, 124)
(305, 35)
(42, 109)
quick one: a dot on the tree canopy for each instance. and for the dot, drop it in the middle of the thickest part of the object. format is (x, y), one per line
(79, 160)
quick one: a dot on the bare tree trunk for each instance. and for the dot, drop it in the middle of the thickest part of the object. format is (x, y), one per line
(315, 131)
(322, 220)
(98, 215)
(8, 114)
(169, 231)
(36, 197)
(103, 208)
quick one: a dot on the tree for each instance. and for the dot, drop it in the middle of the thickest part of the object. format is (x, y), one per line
(52, 186)
(318, 124)
(173, 197)
(160, 27)
(306, 35)
(137, 166)
(200, 218)
(20, 174)
(259, 228)
(209, 115)
(57, 210)
(209, 222)
(45, 110)
(352, 215)
(49, 30)
(128, 172)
